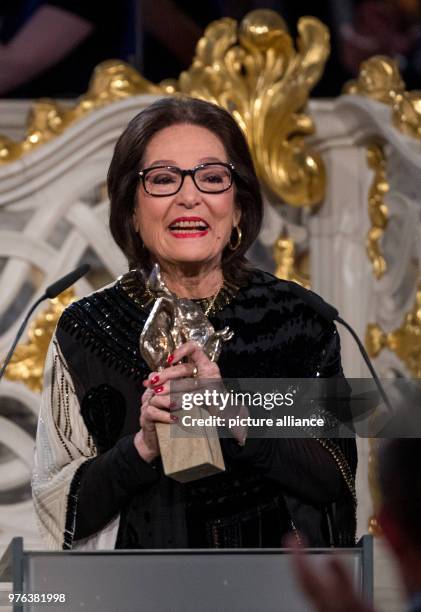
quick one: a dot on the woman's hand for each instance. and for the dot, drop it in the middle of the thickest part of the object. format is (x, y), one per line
(156, 404)
(153, 410)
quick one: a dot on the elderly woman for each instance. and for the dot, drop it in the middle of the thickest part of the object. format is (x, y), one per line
(184, 194)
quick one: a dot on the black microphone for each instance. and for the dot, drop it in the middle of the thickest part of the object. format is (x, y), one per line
(51, 292)
(67, 281)
(330, 313)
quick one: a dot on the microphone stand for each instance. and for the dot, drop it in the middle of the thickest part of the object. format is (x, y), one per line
(367, 361)
(51, 292)
(18, 335)
(330, 313)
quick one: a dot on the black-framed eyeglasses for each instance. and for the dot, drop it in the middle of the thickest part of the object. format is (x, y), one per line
(212, 177)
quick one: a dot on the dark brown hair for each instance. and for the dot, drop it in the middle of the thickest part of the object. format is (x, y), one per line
(123, 176)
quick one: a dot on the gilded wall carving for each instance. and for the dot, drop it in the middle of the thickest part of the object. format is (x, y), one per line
(253, 70)
(256, 74)
(377, 209)
(379, 79)
(405, 341)
(288, 266)
(111, 81)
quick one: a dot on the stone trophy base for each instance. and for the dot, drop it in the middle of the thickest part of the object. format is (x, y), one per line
(190, 453)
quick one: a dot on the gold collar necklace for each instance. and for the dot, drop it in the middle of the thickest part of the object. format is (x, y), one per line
(133, 285)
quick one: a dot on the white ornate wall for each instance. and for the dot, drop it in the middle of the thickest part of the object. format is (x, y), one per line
(340, 268)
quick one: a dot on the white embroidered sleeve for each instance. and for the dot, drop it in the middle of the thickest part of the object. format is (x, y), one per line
(63, 445)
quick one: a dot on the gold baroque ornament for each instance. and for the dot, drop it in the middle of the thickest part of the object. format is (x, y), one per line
(286, 262)
(379, 78)
(377, 209)
(406, 113)
(27, 363)
(405, 341)
(111, 81)
(254, 72)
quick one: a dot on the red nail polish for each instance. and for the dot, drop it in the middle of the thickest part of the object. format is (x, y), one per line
(154, 379)
(174, 417)
(170, 359)
(159, 389)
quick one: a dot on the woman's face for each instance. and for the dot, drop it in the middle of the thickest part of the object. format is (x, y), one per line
(189, 226)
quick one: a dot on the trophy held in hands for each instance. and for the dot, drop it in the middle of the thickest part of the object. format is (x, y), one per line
(171, 322)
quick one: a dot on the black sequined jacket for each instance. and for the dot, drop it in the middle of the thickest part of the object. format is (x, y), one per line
(270, 486)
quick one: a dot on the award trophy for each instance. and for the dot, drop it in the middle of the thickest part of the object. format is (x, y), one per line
(173, 321)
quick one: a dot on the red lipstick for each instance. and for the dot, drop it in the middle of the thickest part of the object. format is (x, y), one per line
(188, 227)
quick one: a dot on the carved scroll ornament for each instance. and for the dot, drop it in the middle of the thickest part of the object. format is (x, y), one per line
(379, 79)
(253, 70)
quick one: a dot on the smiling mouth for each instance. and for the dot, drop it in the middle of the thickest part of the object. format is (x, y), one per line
(186, 229)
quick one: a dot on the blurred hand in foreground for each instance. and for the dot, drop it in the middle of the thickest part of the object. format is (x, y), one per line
(328, 586)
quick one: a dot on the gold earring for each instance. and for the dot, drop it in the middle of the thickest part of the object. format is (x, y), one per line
(235, 246)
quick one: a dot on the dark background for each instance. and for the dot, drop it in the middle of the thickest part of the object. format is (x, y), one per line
(159, 37)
